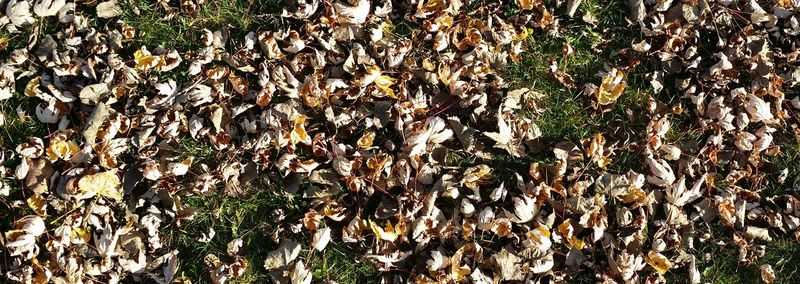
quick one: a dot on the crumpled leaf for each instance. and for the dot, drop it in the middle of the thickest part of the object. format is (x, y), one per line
(758, 109)
(93, 93)
(611, 88)
(767, 273)
(19, 13)
(509, 266)
(97, 118)
(283, 255)
(661, 172)
(109, 9)
(46, 8)
(321, 239)
(301, 275)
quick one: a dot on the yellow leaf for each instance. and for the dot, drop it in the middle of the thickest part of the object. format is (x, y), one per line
(38, 204)
(387, 233)
(143, 59)
(457, 270)
(577, 243)
(81, 234)
(634, 194)
(387, 27)
(528, 4)
(384, 81)
(565, 229)
(658, 261)
(60, 149)
(299, 134)
(104, 184)
(428, 65)
(547, 19)
(433, 6)
(475, 175)
(32, 89)
(611, 88)
(366, 140)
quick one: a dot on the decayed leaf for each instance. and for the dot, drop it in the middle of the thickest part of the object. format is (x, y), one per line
(320, 108)
(767, 273)
(38, 175)
(678, 195)
(97, 118)
(21, 241)
(509, 266)
(438, 261)
(759, 109)
(637, 10)
(572, 6)
(694, 273)
(662, 174)
(299, 134)
(434, 132)
(353, 14)
(758, 233)
(7, 83)
(525, 209)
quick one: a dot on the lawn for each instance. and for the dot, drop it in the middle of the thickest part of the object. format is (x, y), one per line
(563, 113)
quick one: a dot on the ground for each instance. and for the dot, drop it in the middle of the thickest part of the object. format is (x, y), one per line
(567, 115)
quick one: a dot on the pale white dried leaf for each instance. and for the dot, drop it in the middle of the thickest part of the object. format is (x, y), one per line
(108, 9)
(301, 275)
(46, 8)
(92, 94)
(321, 239)
(283, 255)
(19, 13)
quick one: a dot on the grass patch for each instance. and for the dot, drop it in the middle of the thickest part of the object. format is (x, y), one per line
(788, 159)
(254, 219)
(16, 129)
(341, 264)
(719, 264)
(251, 218)
(567, 113)
(182, 31)
(202, 151)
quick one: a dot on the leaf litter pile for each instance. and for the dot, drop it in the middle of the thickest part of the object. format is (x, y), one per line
(363, 123)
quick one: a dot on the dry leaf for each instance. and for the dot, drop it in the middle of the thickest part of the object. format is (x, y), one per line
(106, 184)
(611, 88)
(109, 9)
